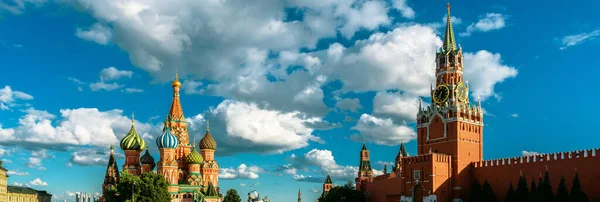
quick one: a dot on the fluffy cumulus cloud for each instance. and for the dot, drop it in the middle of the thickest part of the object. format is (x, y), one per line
(400, 107)
(576, 39)
(75, 127)
(37, 182)
(489, 22)
(109, 74)
(241, 172)
(382, 131)
(483, 70)
(323, 160)
(92, 157)
(97, 33)
(17, 173)
(243, 127)
(9, 97)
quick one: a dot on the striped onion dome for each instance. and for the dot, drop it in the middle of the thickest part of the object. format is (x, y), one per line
(132, 141)
(208, 142)
(167, 139)
(147, 158)
(194, 157)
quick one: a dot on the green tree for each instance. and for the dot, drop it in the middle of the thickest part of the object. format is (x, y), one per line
(149, 187)
(545, 191)
(343, 193)
(522, 193)
(232, 196)
(533, 196)
(539, 189)
(488, 194)
(475, 193)
(510, 195)
(577, 195)
(350, 185)
(562, 193)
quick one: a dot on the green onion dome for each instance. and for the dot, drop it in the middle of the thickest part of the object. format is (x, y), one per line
(147, 159)
(132, 141)
(208, 142)
(167, 139)
(194, 157)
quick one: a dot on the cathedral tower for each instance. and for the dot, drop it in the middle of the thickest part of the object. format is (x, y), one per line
(132, 144)
(451, 125)
(167, 165)
(178, 125)
(111, 178)
(210, 167)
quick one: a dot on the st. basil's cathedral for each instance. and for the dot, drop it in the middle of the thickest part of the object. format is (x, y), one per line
(188, 172)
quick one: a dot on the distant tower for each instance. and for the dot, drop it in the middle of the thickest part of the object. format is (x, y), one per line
(365, 172)
(77, 197)
(111, 178)
(167, 165)
(132, 144)
(210, 167)
(148, 163)
(327, 185)
(401, 154)
(299, 196)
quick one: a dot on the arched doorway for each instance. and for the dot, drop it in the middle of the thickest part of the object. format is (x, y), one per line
(418, 193)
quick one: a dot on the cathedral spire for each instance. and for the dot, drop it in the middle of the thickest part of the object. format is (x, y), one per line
(449, 42)
(176, 113)
(299, 196)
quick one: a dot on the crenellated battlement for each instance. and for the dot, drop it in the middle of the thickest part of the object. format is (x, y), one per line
(426, 158)
(559, 156)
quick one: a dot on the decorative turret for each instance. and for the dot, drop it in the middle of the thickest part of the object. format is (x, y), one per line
(111, 178)
(449, 41)
(401, 154)
(194, 160)
(148, 163)
(208, 142)
(167, 140)
(210, 168)
(132, 145)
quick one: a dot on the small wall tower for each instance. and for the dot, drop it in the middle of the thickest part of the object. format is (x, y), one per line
(132, 145)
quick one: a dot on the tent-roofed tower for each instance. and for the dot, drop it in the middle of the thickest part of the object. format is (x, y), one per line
(176, 122)
(111, 177)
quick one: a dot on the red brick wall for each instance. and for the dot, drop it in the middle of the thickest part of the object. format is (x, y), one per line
(499, 176)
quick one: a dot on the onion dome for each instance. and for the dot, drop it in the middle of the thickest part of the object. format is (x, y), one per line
(194, 157)
(167, 139)
(147, 158)
(207, 142)
(132, 141)
(176, 83)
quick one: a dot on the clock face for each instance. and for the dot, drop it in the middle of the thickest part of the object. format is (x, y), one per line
(441, 93)
(462, 92)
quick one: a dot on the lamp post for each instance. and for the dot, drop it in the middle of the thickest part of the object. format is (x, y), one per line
(132, 192)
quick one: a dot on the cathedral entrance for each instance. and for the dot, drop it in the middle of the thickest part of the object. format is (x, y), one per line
(418, 193)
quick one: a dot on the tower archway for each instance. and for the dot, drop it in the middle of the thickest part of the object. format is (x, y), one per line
(418, 193)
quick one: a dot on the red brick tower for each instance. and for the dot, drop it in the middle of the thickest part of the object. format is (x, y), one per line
(450, 125)
(176, 122)
(365, 172)
(327, 185)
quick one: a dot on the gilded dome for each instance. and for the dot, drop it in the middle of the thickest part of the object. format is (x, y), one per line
(147, 159)
(132, 141)
(176, 83)
(194, 157)
(167, 139)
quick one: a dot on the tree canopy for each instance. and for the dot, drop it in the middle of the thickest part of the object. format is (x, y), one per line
(510, 194)
(577, 195)
(149, 187)
(488, 194)
(232, 196)
(522, 193)
(343, 194)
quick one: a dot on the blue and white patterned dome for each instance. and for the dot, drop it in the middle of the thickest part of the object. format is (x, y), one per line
(167, 140)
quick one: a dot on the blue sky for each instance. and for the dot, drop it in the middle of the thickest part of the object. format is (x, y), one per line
(291, 88)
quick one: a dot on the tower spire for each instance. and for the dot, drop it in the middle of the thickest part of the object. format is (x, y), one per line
(132, 118)
(449, 42)
(207, 125)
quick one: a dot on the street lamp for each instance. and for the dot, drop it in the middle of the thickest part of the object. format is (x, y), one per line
(132, 193)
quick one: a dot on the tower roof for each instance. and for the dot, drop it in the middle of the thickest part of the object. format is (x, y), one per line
(167, 139)
(112, 170)
(208, 142)
(211, 191)
(132, 141)
(194, 157)
(449, 41)
(147, 159)
(364, 147)
(328, 180)
(176, 112)
(402, 150)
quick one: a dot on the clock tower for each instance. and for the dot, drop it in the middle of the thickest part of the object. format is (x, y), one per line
(450, 124)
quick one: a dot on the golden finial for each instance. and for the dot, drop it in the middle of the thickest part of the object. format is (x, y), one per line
(176, 83)
(207, 125)
(132, 118)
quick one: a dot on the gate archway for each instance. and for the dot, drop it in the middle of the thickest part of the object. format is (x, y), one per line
(418, 193)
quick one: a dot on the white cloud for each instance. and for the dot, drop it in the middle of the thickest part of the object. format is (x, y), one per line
(92, 157)
(576, 39)
(17, 184)
(483, 70)
(241, 172)
(2, 150)
(17, 7)
(404, 9)
(489, 22)
(133, 90)
(242, 184)
(515, 115)
(351, 104)
(101, 85)
(76, 127)
(8, 97)
(324, 160)
(34, 162)
(382, 131)
(400, 107)
(17, 173)
(243, 127)
(6, 160)
(96, 33)
(37, 182)
(529, 153)
(112, 73)
(455, 20)
(41, 153)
